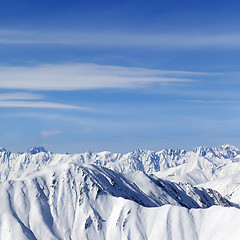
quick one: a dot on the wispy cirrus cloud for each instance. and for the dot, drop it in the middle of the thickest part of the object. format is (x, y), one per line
(49, 133)
(20, 96)
(39, 104)
(54, 132)
(79, 76)
(31, 100)
(199, 101)
(115, 39)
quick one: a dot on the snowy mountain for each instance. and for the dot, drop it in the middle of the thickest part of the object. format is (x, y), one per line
(14, 164)
(172, 194)
(72, 201)
(216, 168)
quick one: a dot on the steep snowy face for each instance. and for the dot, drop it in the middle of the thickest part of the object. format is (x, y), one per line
(223, 152)
(71, 201)
(36, 150)
(2, 149)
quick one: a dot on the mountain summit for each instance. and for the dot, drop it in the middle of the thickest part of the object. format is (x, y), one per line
(36, 150)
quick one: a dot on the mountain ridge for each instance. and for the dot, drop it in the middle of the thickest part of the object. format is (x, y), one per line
(144, 160)
(138, 195)
(71, 201)
(202, 166)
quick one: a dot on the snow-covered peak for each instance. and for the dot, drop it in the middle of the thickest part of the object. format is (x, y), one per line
(228, 146)
(36, 150)
(13, 165)
(2, 149)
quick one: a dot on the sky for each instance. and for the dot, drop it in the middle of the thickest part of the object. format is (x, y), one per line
(117, 76)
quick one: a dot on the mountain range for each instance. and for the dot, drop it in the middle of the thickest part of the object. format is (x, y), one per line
(170, 194)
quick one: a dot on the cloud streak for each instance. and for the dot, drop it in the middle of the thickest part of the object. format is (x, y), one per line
(49, 133)
(39, 104)
(111, 39)
(79, 76)
(20, 96)
(210, 101)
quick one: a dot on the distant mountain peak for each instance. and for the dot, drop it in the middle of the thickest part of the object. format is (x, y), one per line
(2, 149)
(36, 150)
(228, 146)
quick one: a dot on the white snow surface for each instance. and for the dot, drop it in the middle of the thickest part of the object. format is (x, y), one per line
(217, 168)
(72, 201)
(14, 165)
(170, 194)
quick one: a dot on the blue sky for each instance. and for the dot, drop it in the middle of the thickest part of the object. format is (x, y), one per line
(119, 75)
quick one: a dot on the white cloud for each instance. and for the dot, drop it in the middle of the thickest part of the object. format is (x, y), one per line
(20, 96)
(211, 101)
(86, 76)
(39, 104)
(111, 39)
(49, 133)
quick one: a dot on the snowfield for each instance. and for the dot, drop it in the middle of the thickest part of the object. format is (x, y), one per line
(171, 194)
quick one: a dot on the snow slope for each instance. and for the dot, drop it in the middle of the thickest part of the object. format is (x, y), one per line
(216, 168)
(71, 201)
